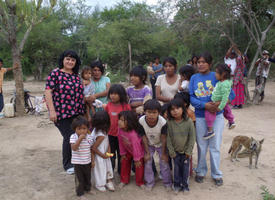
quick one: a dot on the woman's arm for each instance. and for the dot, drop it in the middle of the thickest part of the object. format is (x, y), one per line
(92, 98)
(160, 97)
(49, 102)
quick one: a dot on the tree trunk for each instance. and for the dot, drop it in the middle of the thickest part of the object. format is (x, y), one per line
(18, 78)
(130, 56)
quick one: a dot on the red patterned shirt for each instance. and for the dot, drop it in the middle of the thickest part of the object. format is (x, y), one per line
(67, 93)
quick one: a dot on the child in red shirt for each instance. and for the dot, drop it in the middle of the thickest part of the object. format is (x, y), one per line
(118, 102)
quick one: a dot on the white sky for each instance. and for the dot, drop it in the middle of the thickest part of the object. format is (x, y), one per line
(109, 3)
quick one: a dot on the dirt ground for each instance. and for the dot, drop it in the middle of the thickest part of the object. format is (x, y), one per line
(30, 157)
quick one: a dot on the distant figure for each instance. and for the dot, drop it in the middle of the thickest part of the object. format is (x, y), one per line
(2, 72)
(158, 70)
(263, 66)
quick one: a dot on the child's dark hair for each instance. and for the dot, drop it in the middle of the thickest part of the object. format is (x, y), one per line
(177, 103)
(171, 60)
(79, 121)
(101, 121)
(184, 96)
(85, 69)
(192, 59)
(131, 118)
(164, 108)
(187, 71)
(71, 54)
(152, 104)
(98, 63)
(224, 68)
(207, 57)
(1, 61)
(120, 90)
(140, 72)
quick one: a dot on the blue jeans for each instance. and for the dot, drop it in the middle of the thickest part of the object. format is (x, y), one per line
(181, 171)
(213, 144)
(1, 101)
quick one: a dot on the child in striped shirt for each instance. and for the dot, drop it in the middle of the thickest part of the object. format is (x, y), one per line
(81, 143)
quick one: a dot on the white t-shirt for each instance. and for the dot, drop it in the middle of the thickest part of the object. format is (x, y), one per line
(153, 133)
(232, 63)
(185, 85)
(167, 90)
(83, 155)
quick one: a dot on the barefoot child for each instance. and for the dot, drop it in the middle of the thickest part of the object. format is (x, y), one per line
(81, 143)
(118, 102)
(89, 89)
(102, 171)
(139, 93)
(154, 131)
(220, 97)
(180, 142)
(131, 148)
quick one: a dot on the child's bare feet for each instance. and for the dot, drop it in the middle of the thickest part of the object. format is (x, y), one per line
(142, 187)
(91, 192)
(121, 185)
(82, 198)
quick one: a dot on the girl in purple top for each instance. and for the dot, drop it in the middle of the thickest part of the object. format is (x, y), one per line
(139, 92)
(65, 100)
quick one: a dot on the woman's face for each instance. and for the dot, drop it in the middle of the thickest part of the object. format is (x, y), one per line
(69, 63)
(203, 66)
(169, 69)
(97, 73)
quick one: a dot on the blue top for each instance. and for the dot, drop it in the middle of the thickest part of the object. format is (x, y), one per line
(155, 68)
(201, 87)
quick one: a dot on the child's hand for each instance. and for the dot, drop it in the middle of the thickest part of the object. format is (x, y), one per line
(164, 157)
(123, 158)
(138, 164)
(82, 136)
(93, 164)
(147, 157)
(187, 156)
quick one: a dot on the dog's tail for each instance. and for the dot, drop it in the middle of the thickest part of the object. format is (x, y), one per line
(230, 149)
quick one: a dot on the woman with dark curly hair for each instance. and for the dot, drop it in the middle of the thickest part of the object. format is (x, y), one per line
(65, 100)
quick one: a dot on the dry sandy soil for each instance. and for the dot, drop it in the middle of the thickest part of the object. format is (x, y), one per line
(30, 157)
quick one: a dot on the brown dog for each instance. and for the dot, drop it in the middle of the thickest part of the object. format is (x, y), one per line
(252, 146)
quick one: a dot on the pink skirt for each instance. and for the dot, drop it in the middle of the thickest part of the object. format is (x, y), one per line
(239, 92)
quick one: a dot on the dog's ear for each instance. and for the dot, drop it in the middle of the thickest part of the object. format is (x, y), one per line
(262, 141)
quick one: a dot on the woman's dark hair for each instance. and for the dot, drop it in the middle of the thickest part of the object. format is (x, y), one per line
(164, 108)
(224, 68)
(207, 57)
(98, 63)
(184, 96)
(131, 118)
(85, 69)
(179, 104)
(187, 71)
(192, 59)
(120, 90)
(171, 60)
(152, 104)
(140, 72)
(79, 121)
(156, 57)
(101, 121)
(71, 54)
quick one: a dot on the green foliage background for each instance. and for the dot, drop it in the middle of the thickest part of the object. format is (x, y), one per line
(105, 34)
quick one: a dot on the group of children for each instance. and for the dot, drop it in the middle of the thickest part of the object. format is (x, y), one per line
(130, 129)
